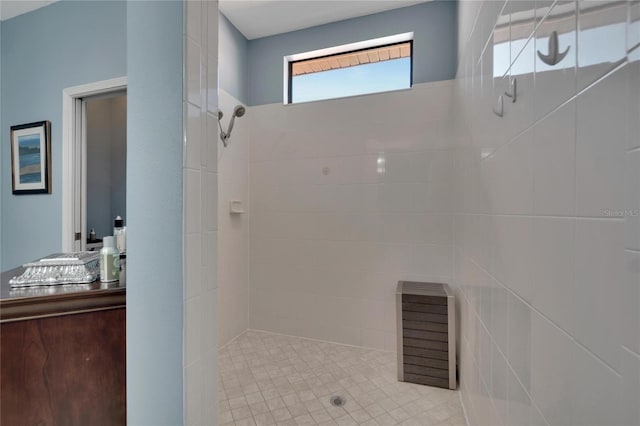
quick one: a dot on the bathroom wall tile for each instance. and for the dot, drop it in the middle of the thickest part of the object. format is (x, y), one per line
(211, 86)
(483, 356)
(194, 137)
(210, 260)
(599, 280)
(210, 394)
(192, 202)
(519, 115)
(210, 143)
(499, 321)
(601, 38)
(209, 330)
(600, 147)
(631, 302)
(555, 84)
(192, 265)
(353, 208)
(553, 160)
(200, 251)
(552, 354)
(431, 260)
(567, 271)
(233, 230)
(211, 11)
(630, 387)
(212, 200)
(510, 176)
(193, 331)
(194, 20)
(632, 201)
(499, 380)
(519, 340)
(518, 402)
(552, 255)
(193, 394)
(633, 88)
(193, 73)
(596, 390)
(512, 254)
(378, 339)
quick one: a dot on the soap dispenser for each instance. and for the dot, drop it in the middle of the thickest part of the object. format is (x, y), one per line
(119, 234)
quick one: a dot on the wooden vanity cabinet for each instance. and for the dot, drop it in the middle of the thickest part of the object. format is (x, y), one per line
(63, 358)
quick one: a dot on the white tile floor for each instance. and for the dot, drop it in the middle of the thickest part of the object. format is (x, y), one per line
(268, 379)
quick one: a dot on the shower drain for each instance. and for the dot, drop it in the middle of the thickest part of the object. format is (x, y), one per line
(337, 401)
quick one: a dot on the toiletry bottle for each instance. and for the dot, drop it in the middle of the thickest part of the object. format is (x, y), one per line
(119, 234)
(92, 235)
(109, 261)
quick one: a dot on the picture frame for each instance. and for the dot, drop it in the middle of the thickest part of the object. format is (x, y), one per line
(31, 158)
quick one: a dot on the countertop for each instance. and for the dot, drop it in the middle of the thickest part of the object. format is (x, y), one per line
(46, 301)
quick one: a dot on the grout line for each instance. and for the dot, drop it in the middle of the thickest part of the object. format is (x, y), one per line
(528, 216)
(544, 316)
(464, 409)
(321, 341)
(633, 150)
(232, 340)
(444, 148)
(616, 67)
(631, 352)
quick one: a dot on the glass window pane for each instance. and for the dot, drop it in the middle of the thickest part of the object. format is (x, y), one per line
(374, 77)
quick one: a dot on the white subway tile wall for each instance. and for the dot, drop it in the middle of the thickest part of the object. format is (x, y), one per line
(200, 212)
(348, 196)
(233, 229)
(546, 213)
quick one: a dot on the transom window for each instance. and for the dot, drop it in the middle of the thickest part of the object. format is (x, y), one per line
(372, 66)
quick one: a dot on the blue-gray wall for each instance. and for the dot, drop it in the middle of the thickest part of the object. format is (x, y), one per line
(61, 45)
(154, 203)
(2, 142)
(435, 45)
(232, 59)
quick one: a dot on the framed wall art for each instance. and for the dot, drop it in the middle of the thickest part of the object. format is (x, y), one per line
(31, 158)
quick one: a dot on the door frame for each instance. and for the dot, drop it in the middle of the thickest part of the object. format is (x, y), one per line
(73, 177)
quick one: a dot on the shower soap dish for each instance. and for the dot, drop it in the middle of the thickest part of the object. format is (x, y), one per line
(236, 207)
(61, 268)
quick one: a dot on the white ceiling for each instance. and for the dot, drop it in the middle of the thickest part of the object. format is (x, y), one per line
(261, 18)
(11, 8)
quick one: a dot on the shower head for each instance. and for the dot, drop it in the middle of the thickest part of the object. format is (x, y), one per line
(220, 115)
(238, 111)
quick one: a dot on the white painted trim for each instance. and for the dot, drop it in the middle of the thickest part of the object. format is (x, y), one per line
(69, 96)
(350, 47)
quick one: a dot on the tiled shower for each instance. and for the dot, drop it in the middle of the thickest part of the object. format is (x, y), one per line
(518, 183)
(547, 211)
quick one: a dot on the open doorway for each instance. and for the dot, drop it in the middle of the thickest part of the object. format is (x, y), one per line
(106, 164)
(93, 161)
